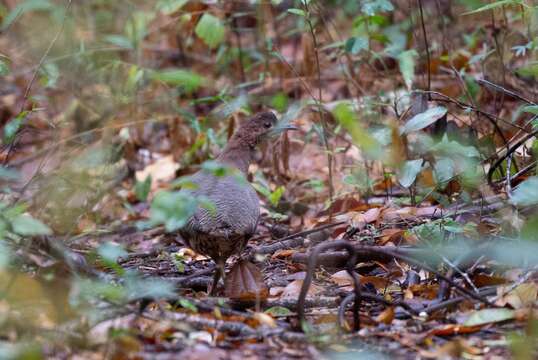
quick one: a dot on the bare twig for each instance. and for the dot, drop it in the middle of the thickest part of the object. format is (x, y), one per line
(510, 150)
(505, 91)
(386, 252)
(508, 184)
(444, 304)
(462, 273)
(426, 45)
(352, 256)
(366, 296)
(320, 102)
(519, 281)
(34, 75)
(267, 249)
(234, 327)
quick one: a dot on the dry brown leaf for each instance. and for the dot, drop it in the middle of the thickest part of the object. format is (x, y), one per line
(293, 289)
(359, 219)
(521, 297)
(162, 171)
(393, 235)
(447, 351)
(342, 278)
(426, 291)
(265, 319)
(283, 253)
(454, 329)
(386, 316)
(276, 291)
(427, 211)
(191, 255)
(481, 280)
(245, 283)
(379, 283)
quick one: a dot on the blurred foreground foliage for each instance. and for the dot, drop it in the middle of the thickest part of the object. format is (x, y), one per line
(128, 84)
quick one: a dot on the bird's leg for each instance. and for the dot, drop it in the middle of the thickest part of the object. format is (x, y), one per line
(219, 272)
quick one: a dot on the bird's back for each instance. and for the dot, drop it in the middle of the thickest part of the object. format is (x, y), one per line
(223, 229)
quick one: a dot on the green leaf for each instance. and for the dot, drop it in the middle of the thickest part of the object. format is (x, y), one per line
(186, 304)
(526, 193)
(487, 316)
(170, 6)
(24, 7)
(173, 209)
(280, 102)
(349, 121)
(12, 127)
(409, 172)
(371, 7)
(120, 41)
(188, 80)
(278, 311)
(355, 44)
(142, 188)
(298, 12)
(533, 109)
(217, 169)
(49, 75)
(530, 70)
(143, 288)
(422, 120)
(28, 226)
(4, 68)
(451, 148)
(110, 252)
(495, 5)
(406, 63)
(210, 30)
(444, 169)
(5, 256)
(276, 195)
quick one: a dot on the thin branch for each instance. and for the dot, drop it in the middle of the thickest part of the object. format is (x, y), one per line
(320, 102)
(34, 75)
(426, 45)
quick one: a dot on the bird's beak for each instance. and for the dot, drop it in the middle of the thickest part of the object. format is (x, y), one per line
(279, 128)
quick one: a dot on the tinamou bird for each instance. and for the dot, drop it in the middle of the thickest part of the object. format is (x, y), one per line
(223, 229)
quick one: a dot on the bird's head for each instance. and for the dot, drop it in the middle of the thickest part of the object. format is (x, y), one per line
(261, 127)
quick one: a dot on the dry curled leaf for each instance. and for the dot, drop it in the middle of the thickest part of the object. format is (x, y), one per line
(386, 316)
(292, 290)
(521, 297)
(245, 283)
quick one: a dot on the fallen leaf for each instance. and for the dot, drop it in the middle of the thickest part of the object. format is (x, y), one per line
(521, 297)
(481, 280)
(386, 316)
(427, 291)
(454, 329)
(276, 291)
(245, 283)
(276, 311)
(162, 171)
(393, 235)
(342, 278)
(265, 319)
(293, 289)
(283, 253)
(447, 351)
(487, 316)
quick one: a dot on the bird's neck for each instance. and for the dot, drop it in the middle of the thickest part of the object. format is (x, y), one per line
(238, 153)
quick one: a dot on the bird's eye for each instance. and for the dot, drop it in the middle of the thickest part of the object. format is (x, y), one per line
(267, 125)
